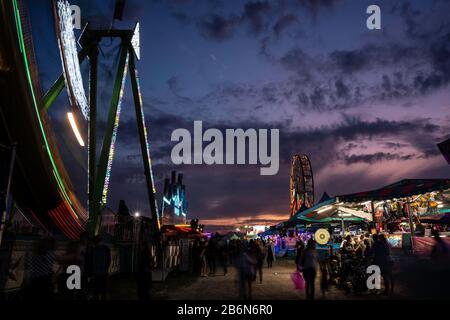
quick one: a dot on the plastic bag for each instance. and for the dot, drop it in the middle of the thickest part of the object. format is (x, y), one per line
(299, 282)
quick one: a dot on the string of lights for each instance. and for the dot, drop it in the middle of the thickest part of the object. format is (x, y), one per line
(114, 135)
(69, 58)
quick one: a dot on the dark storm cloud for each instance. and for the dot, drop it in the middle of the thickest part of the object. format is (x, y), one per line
(407, 70)
(375, 157)
(173, 84)
(313, 6)
(216, 27)
(395, 145)
(254, 12)
(342, 91)
(324, 140)
(258, 16)
(284, 22)
(219, 28)
(182, 18)
(297, 59)
(419, 24)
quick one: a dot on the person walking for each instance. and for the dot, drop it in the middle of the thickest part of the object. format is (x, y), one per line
(260, 255)
(223, 255)
(101, 260)
(309, 263)
(202, 257)
(144, 271)
(270, 254)
(211, 254)
(382, 258)
(300, 246)
(41, 286)
(246, 267)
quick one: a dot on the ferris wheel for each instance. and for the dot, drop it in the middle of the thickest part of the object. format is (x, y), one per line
(301, 184)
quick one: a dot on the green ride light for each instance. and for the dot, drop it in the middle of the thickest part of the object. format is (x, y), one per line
(24, 54)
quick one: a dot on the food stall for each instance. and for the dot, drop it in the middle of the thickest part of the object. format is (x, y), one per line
(406, 210)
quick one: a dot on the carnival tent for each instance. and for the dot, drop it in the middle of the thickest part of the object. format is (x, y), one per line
(328, 211)
(403, 188)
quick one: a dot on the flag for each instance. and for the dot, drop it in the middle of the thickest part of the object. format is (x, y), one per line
(444, 147)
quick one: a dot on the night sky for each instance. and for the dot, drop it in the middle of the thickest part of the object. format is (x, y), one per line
(367, 106)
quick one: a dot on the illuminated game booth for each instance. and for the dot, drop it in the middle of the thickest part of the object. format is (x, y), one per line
(405, 211)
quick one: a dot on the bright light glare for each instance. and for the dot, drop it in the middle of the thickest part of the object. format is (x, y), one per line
(324, 209)
(137, 214)
(135, 41)
(69, 57)
(74, 126)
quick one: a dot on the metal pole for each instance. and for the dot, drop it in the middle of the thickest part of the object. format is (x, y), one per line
(151, 191)
(7, 213)
(92, 141)
(95, 215)
(374, 222)
(411, 223)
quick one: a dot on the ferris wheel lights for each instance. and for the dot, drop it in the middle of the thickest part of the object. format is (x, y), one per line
(69, 57)
(74, 126)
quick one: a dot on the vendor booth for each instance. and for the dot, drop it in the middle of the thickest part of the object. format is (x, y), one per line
(404, 211)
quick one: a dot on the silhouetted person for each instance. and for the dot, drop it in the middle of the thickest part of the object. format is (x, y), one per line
(223, 256)
(270, 254)
(202, 257)
(299, 250)
(195, 256)
(382, 258)
(144, 271)
(324, 278)
(259, 256)
(41, 271)
(211, 253)
(123, 209)
(246, 267)
(440, 250)
(101, 260)
(309, 262)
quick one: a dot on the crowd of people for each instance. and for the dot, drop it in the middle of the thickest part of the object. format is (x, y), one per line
(355, 254)
(248, 257)
(47, 271)
(213, 256)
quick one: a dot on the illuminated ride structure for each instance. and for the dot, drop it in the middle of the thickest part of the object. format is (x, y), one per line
(301, 184)
(174, 204)
(40, 181)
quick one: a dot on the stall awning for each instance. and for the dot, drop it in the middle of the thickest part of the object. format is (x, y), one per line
(403, 188)
(329, 211)
(442, 218)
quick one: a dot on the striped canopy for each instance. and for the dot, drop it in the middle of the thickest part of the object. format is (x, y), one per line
(403, 188)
